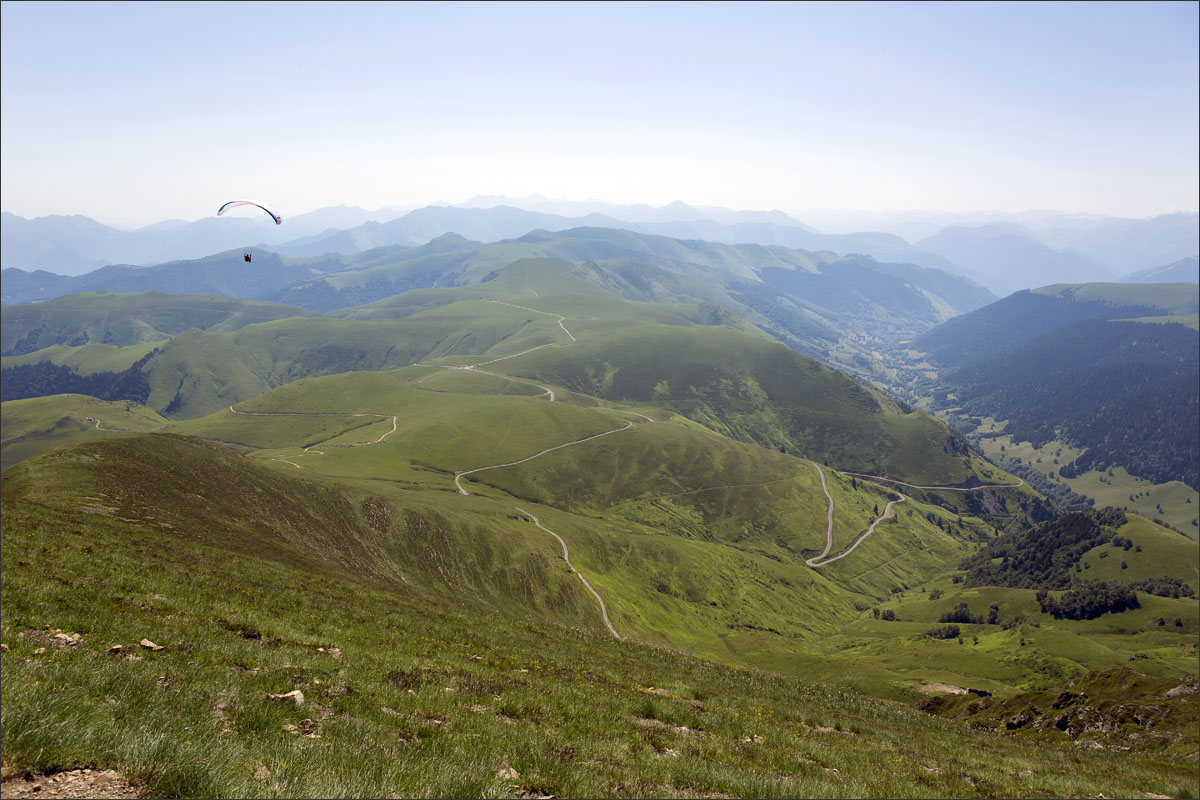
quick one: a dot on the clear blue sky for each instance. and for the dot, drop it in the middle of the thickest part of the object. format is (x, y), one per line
(131, 113)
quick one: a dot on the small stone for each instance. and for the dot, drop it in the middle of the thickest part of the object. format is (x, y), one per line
(296, 696)
(39, 651)
(149, 645)
(477, 658)
(116, 648)
(508, 774)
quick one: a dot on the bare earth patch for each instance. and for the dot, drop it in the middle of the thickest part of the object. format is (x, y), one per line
(940, 688)
(104, 784)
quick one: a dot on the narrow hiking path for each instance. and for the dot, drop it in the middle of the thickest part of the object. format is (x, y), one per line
(459, 475)
(311, 449)
(99, 427)
(546, 390)
(535, 311)
(578, 574)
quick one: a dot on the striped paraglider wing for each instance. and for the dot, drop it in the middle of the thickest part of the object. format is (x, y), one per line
(267, 207)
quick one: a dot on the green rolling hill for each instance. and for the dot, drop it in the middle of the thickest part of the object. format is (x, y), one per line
(128, 319)
(41, 423)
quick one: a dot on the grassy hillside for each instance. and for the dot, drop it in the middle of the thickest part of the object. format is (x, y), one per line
(683, 359)
(128, 319)
(755, 391)
(199, 372)
(256, 582)
(1173, 502)
(822, 304)
(40, 423)
(85, 359)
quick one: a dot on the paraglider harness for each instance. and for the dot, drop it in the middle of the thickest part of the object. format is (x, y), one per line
(247, 257)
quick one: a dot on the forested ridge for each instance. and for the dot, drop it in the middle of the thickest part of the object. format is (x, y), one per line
(1017, 318)
(46, 378)
(1127, 392)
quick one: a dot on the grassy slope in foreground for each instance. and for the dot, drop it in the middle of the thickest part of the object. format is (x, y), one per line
(422, 696)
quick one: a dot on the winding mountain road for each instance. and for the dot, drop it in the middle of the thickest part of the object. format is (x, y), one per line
(820, 560)
(828, 517)
(567, 558)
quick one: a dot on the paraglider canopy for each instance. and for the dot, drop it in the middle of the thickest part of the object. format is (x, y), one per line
(267, 207)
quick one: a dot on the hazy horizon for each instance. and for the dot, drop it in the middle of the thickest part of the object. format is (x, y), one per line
(808, 216)
(132, 113)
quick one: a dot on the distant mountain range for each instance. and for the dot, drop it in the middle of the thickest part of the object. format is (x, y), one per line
(811, 301)
(1004, 256)
(74, 245)
(1183, 270)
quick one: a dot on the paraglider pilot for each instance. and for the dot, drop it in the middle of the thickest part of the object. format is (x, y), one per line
(247, 257)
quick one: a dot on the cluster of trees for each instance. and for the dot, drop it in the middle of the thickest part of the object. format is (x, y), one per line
(960, 613)
(1166, 586)
(45, 378)
(944, 632)
(1088, 600)
(1043, 557)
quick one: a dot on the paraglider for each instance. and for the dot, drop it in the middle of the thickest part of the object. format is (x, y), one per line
(264, 206)
(247, 257)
